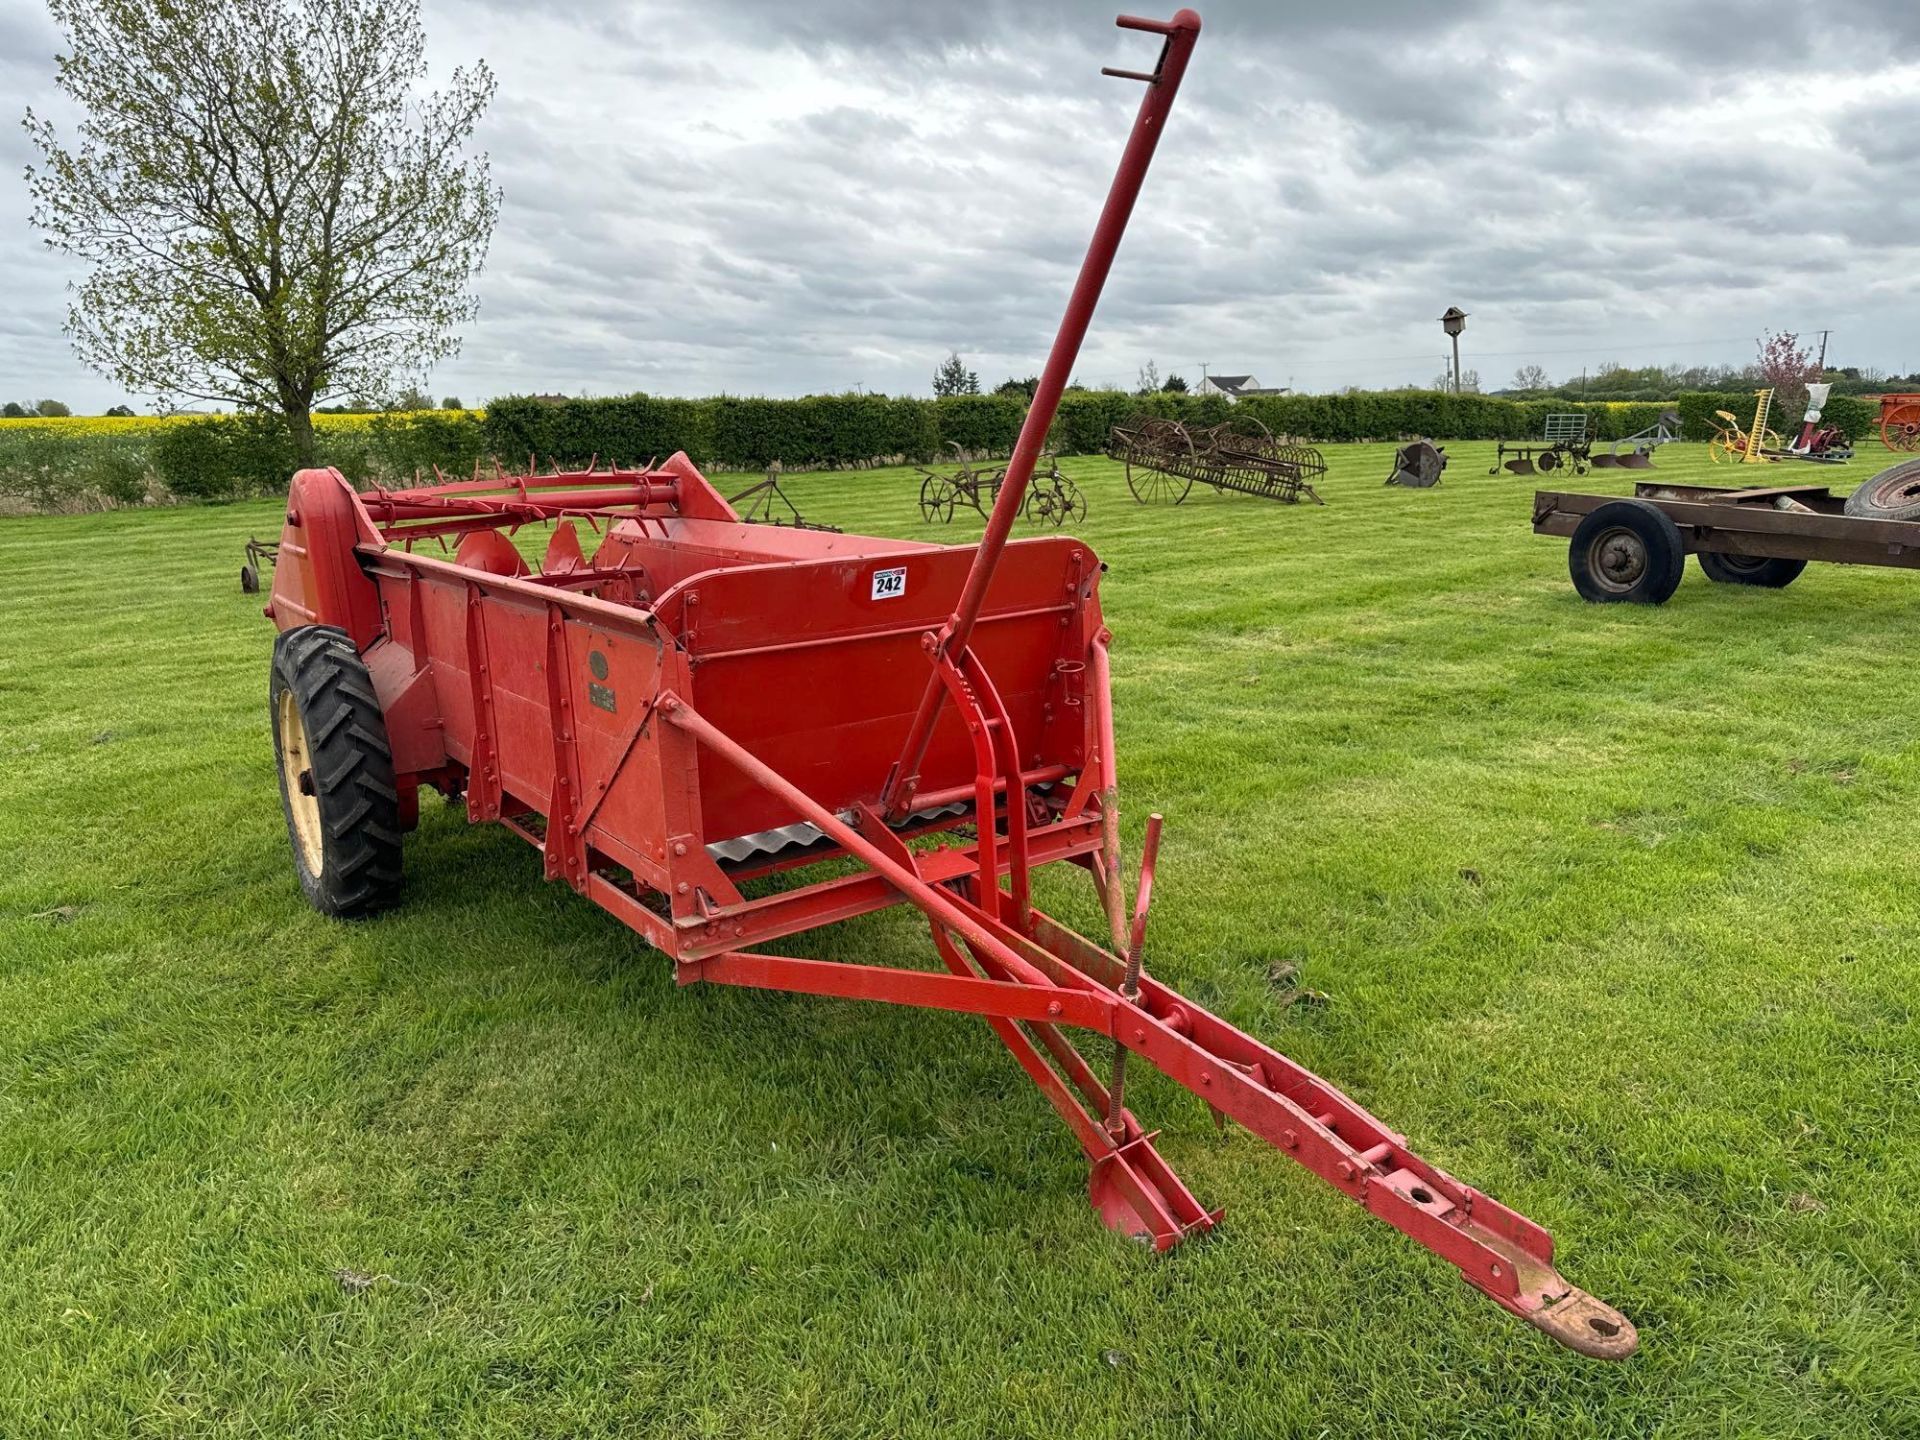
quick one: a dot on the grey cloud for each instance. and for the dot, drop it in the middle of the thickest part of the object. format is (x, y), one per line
(758, 195)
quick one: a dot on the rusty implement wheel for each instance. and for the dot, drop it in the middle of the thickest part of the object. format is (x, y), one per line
(1156, 487)
(336, 773)
(1893, 494)
(936, 500)
(1156, 443)
(1627, 551)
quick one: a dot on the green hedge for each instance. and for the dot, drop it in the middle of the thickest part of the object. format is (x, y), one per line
(51, 469)
(730, 432)
(226, 458)
(738, 432)
(231, 457)
(628, 430)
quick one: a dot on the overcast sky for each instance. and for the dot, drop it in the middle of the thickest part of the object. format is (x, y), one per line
(783, 196)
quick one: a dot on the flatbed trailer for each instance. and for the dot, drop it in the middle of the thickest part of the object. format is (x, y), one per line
(1635, 549)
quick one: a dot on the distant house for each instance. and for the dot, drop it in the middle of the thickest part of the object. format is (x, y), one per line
(1237, 387)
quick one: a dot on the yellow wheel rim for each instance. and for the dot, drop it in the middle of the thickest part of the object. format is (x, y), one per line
(296, 774)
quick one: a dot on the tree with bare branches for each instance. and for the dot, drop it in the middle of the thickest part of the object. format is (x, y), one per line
(271, 211)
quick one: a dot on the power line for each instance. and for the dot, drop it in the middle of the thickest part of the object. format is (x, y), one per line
(1508, 354)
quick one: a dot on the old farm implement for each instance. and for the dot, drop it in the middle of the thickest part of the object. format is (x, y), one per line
(259, 552)
(1755, 444)
(686, 722)
(1417, 465)
(1749, 444)
(1563, 444)
(1900, 421)
(1052, 497)
(766, 499)
(1636, 550)
(1240, 455)
(1635, 451)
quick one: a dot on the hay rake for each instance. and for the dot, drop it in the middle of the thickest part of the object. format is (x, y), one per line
(1240, 455)
(727, 735)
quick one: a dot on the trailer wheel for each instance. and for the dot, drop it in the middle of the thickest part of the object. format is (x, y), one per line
(1627, 550)
(1893, 494)
(336, 773)
(1768, 572)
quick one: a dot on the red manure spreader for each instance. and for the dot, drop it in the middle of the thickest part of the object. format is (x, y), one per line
(689, 721)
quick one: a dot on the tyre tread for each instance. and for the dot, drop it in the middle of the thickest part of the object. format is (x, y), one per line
(352, 768)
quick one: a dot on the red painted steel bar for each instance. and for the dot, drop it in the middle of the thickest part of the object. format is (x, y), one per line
(1180, 32)
(965, 920)
(1497, 1250)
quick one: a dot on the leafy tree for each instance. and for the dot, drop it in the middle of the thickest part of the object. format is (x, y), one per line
(953, 377)
(1024, 387)
(52, 409)
(121, 411)
(13, 410)
(272, 209)
(413, 398)
(1175, 383)
(1530, 377)
(452, 402)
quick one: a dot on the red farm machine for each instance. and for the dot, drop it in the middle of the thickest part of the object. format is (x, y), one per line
(686, 723)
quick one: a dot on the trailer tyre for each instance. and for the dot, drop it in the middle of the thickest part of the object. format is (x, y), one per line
(1769, 573)
(1893, 494)
(1627, 551)
(336, 773)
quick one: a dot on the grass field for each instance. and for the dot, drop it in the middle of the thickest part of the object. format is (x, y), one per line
(1614, 909)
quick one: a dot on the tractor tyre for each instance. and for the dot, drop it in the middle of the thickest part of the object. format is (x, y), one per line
(1627, 551)
(1769, 573)
(1893, 494)
(336, 773)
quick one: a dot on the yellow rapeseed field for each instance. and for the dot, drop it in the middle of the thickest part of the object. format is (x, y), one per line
(80, 425)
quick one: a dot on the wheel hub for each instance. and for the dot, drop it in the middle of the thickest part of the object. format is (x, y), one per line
(1619, 558)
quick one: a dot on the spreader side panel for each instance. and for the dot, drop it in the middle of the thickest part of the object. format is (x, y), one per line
(818, 668)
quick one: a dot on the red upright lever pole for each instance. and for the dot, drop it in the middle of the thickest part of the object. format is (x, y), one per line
(1180, 32)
